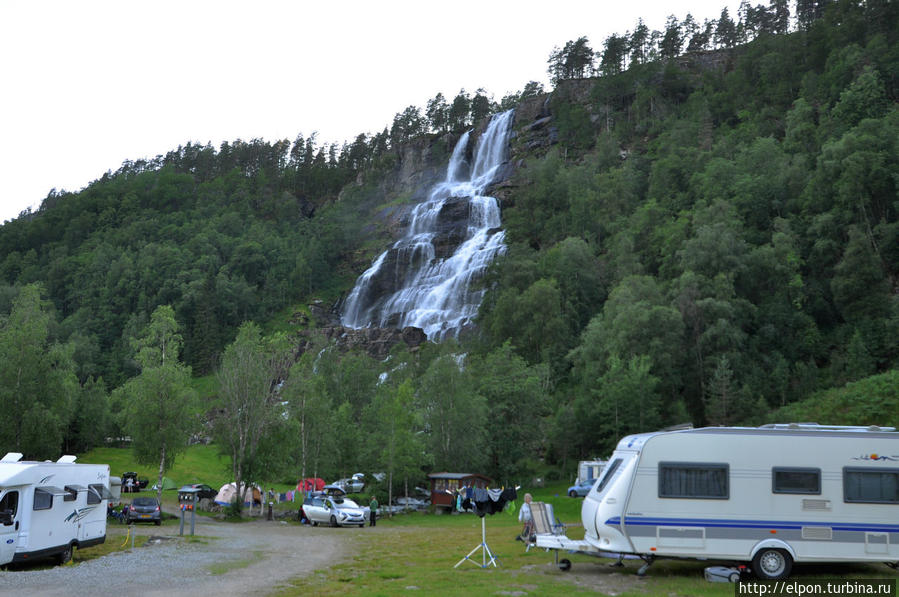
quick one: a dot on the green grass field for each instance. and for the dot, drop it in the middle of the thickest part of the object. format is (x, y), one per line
(198, 464)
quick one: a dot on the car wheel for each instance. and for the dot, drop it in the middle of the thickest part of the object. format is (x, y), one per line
(314, 523)
(772, 564)
(333, 521)
(158, 522)
(572, 493)
(66, 555)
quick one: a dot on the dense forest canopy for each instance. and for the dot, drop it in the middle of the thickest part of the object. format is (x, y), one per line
(710, 234)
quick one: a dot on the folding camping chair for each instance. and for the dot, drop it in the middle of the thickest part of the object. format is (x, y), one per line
(545, 523)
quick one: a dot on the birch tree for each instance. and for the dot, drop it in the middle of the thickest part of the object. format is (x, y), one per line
(395, 444)
(249, 379)
(160, 404)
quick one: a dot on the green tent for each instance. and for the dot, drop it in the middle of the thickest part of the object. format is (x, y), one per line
(166, 484)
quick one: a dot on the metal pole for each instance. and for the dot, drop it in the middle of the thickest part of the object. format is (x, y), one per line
(484, 541)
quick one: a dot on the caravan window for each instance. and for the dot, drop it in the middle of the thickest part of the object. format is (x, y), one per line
(698, 480)
(43, 500)
(608, 476)
(796, 480)
(869, 486)
(96, 492)
(71, 494)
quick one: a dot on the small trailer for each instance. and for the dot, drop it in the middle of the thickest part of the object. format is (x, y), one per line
(769, 496)
(49, 508)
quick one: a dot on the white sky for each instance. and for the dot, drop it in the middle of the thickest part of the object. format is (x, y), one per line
(89, 84)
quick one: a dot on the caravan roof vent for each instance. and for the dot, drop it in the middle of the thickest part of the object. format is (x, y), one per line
(817, 427)
(67, 459)
(12, 457)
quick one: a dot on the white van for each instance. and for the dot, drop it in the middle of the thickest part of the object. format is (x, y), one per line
(771, 495)
(49, 508)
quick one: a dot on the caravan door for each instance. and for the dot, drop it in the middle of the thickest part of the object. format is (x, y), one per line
(9, 524)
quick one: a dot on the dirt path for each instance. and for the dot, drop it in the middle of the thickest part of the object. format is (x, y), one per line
(227, 559)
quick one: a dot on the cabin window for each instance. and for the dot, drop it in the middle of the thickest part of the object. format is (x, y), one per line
(71, 494)
(796, 480)
(871, 486)
(697, 480)
(43, 500)
(608, 476)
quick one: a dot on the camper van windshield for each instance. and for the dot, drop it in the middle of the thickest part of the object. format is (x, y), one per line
(609, 472)
(10, 503)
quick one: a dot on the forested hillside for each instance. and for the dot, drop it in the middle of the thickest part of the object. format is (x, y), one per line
(701, 226)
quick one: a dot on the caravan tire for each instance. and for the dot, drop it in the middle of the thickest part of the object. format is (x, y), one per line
(772, 564)
(565, 565)
(65, 555)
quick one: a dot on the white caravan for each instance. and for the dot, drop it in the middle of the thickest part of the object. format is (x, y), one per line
(589, 469)
(49, 508)
(771, 495)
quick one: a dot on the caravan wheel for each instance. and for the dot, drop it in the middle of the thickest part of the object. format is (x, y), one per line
(772, 564)
(66, 555)
(565, 565)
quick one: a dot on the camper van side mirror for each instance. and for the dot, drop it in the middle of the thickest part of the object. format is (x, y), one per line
(5, 517)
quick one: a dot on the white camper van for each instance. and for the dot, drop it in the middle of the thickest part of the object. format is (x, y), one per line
(49, 508)
(771, 495)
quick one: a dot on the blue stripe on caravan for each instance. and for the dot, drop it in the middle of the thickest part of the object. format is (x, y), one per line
(752, 524)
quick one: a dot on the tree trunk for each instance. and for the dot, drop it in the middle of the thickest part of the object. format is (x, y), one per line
(390, 492)
(159, 477)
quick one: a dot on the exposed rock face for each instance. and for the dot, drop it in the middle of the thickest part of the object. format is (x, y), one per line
(376, 342)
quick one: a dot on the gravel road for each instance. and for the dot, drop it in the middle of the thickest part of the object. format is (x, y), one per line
(262, 556)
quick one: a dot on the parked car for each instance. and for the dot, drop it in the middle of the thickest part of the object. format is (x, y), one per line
(335, 511)
(145, 509)
(205, 491)
(581, 489)
(331, 490)
(354, 484)
(131, 484)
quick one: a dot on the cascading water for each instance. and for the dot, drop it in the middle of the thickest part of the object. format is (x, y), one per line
(419, 281)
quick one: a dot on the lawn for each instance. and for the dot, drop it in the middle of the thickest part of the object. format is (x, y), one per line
(420, 551)
(198, 464)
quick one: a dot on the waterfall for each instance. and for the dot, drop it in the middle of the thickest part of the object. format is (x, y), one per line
(418, 282)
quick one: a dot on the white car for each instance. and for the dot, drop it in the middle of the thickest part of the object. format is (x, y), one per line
(355, 484)
(335, 511)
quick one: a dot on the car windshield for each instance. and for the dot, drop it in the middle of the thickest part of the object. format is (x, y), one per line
(348, 503)
(144, 501)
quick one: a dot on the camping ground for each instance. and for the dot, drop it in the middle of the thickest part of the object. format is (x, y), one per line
(412, 552)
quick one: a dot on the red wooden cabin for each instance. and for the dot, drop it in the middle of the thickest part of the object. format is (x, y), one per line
(444, 484)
